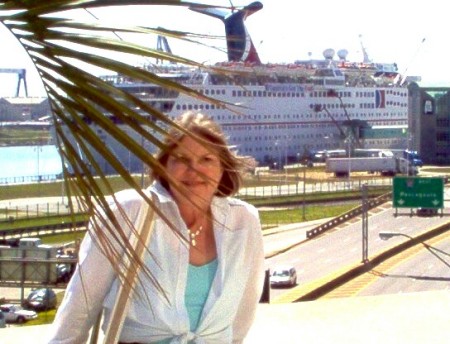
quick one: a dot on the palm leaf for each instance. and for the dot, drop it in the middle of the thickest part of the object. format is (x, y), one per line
(61, 48)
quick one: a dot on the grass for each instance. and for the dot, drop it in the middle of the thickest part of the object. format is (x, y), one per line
(273, 218)
(41, 221)
(24, 137)
(54, 189)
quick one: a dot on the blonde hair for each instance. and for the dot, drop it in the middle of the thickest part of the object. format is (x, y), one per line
(207, 131)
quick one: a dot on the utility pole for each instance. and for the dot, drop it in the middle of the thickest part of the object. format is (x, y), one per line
(365, 226)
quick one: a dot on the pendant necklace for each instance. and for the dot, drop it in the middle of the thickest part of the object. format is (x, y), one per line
(194, 234)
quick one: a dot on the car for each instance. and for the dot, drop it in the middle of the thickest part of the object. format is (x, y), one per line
(283, 276)
(2, 320)
(40, 300)
(426, 211)
(16, 314)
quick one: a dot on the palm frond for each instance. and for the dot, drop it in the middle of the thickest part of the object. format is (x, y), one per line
(63, 50)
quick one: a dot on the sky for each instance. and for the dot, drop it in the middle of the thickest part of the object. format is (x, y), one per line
(413, 35)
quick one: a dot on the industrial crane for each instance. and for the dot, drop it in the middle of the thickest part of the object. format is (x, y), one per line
(21, 73)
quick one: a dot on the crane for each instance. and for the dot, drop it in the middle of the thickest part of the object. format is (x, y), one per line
(21, 73)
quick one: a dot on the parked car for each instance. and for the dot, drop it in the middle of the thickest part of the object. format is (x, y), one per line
(426, 211)
(284, 276)
(16, 314)
(40, 300)
(2, 320)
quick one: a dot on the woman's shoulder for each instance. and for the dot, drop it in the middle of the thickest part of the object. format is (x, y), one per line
(127, 195)
(240, 205)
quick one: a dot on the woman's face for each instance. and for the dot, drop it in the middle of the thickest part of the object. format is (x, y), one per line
(196, 170)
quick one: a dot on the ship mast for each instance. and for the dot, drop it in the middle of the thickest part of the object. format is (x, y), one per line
(366, 58)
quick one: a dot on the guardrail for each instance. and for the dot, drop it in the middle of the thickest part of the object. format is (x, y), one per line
(42, 230)
(29, 179)
(372, 203)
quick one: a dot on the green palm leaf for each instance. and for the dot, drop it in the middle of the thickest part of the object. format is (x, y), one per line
(61, 48)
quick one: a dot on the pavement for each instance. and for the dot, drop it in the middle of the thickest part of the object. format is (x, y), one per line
(420, 318)
(411, 318)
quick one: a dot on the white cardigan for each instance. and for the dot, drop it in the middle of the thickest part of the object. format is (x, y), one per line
(232, 301)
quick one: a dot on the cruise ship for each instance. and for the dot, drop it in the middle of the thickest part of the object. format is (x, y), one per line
(280, 113)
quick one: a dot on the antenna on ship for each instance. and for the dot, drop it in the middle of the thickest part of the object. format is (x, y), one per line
(366, 58)
(404, 74)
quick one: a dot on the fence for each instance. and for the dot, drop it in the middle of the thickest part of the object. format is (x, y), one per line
(29, 179)
(294, 188)
(27, 211)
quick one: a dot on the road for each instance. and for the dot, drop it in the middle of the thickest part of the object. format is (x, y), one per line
(341, 248)
(424, 267)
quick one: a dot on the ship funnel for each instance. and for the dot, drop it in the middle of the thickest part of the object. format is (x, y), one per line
(239, 44)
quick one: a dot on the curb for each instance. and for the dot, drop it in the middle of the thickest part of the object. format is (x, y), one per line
(373, 262)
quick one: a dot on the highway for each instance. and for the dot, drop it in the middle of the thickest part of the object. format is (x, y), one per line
(424, 267)
(339, 249)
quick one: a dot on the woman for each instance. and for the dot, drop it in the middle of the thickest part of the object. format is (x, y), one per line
(208, 262)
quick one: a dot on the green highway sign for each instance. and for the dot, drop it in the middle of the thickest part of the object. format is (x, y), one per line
(418, 192)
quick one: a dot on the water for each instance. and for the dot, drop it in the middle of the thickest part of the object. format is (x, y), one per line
(29, 163)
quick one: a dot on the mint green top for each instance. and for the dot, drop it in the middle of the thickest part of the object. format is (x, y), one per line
(198, 284)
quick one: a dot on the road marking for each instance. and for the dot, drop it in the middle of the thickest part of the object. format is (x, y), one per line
(360, 283)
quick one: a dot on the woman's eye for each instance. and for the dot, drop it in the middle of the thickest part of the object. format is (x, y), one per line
(181, 159)
(208, 159)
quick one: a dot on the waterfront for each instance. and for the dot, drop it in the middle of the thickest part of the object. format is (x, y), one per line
(21, 164)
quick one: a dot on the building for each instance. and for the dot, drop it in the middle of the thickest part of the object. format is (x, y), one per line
(429, 123)
(15, 109)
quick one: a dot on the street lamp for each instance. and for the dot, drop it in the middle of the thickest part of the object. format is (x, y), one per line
(354, 134)
(319, 107)
(388, 235)
(414, 241)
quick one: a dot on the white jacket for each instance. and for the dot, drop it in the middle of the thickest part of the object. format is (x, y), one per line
(152, 316)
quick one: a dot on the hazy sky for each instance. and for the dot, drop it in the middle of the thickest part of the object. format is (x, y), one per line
(412, 34)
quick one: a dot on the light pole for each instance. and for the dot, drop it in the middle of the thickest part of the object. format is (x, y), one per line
(389, 235)
(414, 241)
(349, 149)
(319, 108)
(38, 163)
(304, 193)
(354, 134)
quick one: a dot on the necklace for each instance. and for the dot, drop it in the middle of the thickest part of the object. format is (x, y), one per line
(194, 234)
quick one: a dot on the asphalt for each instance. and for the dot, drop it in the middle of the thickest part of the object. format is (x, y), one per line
(402, 318)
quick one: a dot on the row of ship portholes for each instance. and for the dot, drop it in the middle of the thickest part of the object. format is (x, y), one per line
(190, 107)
